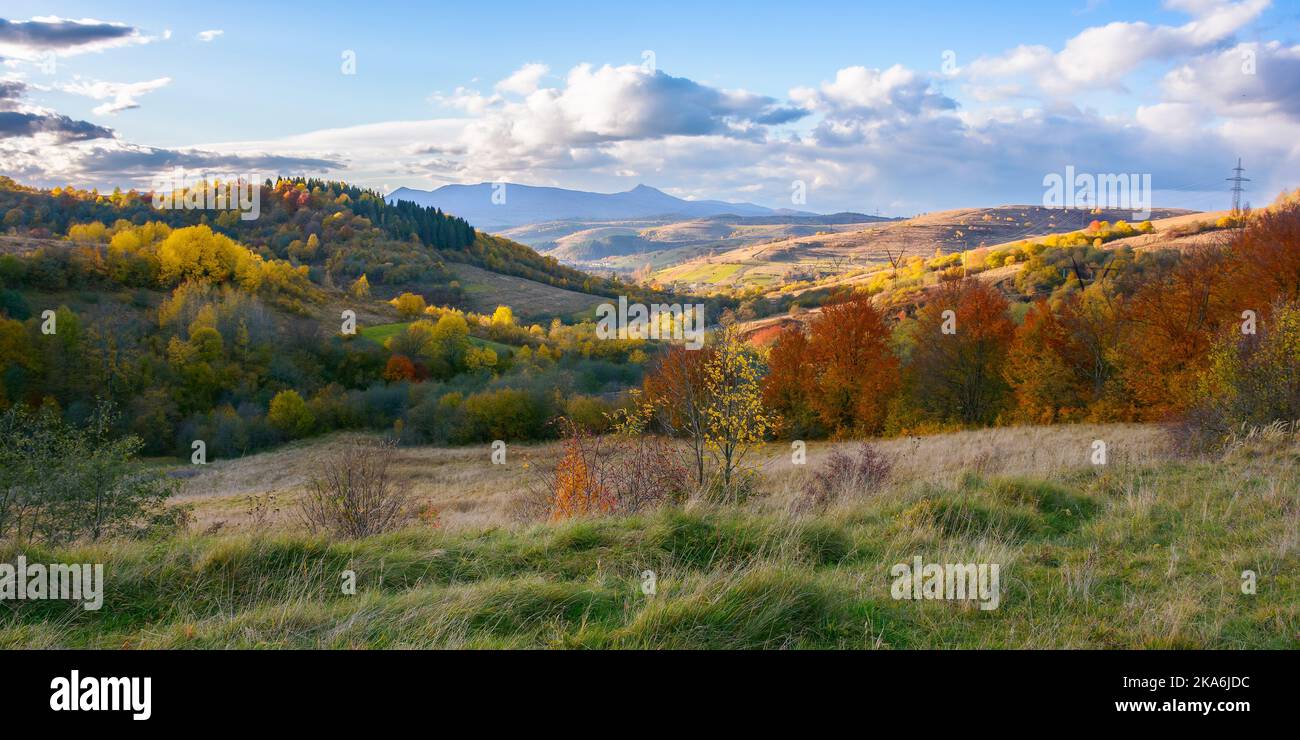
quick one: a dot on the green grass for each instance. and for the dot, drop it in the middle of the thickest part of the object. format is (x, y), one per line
(708, 273)
(1147, 557)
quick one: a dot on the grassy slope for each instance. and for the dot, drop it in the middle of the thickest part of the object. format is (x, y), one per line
(1146, 552)
(485, 290)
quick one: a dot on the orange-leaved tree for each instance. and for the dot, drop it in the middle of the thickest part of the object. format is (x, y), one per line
(787, 387)
(854, 370)
(1170, 325)
(1061, 363)
(676, 389)
(961, 337)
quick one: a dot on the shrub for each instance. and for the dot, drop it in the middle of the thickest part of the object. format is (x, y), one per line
(409, 305)
(589, 412)
(504, 414)
(354, 496)
(575, 487)
(1253, 379)
(290, 415)
(843, 475)
(647, 473)
(60, 482)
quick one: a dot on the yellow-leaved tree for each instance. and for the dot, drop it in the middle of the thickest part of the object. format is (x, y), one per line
(503, 316)
(734, 416)
(409, 305)
(361, 288)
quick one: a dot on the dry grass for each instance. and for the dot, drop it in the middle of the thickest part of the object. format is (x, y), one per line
(461, 484)
(945, 459)
(467, 491)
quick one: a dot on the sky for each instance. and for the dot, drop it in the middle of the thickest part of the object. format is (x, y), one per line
(891, 108)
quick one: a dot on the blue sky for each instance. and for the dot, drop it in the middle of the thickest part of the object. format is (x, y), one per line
(742, 98)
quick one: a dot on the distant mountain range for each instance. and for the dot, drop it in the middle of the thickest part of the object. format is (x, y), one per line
(526, 204)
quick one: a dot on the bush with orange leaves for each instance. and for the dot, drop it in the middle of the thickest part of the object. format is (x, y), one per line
(638, 471)
(399, 368)
(575, 486)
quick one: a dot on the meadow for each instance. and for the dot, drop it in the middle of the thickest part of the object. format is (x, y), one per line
(1146, 551)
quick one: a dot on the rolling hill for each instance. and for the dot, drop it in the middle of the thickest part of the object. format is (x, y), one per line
(823, 256)
(1189, 230)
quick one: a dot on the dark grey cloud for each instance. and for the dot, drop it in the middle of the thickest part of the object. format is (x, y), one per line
(148, 161)
(62, 34)
(10, 92)
(14, 124)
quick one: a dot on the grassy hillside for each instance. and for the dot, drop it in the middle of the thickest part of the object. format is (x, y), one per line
(485, 290)
(846, 252)
(1145, 552)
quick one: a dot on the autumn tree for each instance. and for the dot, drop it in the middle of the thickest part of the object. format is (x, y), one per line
(1251, 379)
(788, 385)
(503, 317)
(1170, 325)
(961, 339)
(361, 287)
(442, 347)
(1268, 250)
(837, 377)
(409, 305)
(676, 388)
(1062, 361)
(854, 370)
(734, 417)
(399, 368)
(289, 414)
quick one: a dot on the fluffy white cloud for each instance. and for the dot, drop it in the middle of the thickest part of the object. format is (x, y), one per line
(207, 36)
(524, 80)
(1248, 80)
(872, 92)
(1101, 56)
(574, 125)
(120, 95)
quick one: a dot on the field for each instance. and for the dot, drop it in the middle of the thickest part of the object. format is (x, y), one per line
(379, 333)
(1145, 551)
(485, 290)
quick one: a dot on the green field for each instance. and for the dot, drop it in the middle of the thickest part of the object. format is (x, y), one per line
(381, 333)
(708, 273)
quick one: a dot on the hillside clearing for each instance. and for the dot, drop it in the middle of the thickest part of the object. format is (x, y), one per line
(485, 290)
